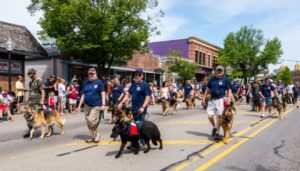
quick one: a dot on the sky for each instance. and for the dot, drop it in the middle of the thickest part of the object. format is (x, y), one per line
(210, 20)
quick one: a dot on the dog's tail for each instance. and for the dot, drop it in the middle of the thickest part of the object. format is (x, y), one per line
(154, 142)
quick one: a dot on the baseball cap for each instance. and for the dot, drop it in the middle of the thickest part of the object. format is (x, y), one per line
(31, 72)
(139, 71)
(220, 67)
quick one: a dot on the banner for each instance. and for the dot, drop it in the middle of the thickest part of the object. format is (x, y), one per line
(16, 67)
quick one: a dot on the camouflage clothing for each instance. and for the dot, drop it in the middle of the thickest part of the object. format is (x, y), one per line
(35, 93)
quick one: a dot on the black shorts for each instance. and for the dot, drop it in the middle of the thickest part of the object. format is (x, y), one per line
(20, 99)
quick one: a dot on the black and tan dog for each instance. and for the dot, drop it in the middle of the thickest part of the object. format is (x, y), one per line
(227, 120)
(39, 119)
(148, 131)
(258, 102)
(279, 103)
(190, 102)
(167, 103)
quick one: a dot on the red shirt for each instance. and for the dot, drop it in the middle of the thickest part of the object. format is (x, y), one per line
(51, 102)
(73, 94)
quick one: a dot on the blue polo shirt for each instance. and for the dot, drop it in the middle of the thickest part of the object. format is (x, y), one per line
(92, 91)
(139, 93)
(187, 89)
(116, 93)
(266, 90)
(218, 86)
(235, 88)
(280, 88)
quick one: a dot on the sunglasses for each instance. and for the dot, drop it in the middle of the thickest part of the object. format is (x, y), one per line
(137, 74)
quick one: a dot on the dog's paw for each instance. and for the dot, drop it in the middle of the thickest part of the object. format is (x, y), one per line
(117, 156)
(146, 151)
(136, 152)
(62, 133)
(48, 135)
(41, 137)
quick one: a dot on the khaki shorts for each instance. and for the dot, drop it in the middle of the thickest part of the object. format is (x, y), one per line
(92, 116)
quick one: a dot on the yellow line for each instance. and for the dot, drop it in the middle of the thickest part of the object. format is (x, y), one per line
(213, 148)
(233, 147)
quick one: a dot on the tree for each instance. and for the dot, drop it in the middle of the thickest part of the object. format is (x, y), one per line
(103, 32)
(285, 75)
(248, 53)
(185, 69)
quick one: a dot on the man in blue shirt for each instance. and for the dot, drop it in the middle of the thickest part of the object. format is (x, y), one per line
(117, 95)
(235, 88)
(219, 89)
(188, 89)
(140, 96)
(93, 96)
(266, 93)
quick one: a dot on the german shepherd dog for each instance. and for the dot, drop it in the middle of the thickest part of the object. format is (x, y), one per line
(167, 103)
(190, 103)
(258, 102)
(38, 119)
(149, 131)
(279, 103)
(227, 120)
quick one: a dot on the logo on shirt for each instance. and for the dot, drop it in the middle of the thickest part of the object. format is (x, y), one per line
(220, 83)
(269, 88)
(138, 88)
(95, 86)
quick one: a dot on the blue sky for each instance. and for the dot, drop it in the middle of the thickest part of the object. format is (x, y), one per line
(210, 20)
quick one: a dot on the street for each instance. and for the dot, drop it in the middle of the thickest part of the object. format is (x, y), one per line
(256, 144)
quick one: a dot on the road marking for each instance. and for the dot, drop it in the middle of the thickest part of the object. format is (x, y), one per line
(233, 147)
(213, 148)
(207, 122)
(239, 143)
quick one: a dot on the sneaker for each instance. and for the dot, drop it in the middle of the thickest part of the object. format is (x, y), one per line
(89, 140)
(214, 131)
(262, 116)
(217, 137)
(26, 135)
(97, 139)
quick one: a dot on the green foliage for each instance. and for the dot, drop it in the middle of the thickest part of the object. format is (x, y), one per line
(104, 32)
(285, 75)
(185, 69)
(248, 53)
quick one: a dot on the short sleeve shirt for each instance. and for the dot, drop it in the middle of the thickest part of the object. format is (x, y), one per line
(235, 88)
(35, 91)
(218, 86)
(266, 90)
(92, 91)
(139, 93)
(187, 89)
(19, 85)
(116, 93)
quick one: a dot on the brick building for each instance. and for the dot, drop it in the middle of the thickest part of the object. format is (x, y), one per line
(26, 46)
(197, 50)
(296, 73)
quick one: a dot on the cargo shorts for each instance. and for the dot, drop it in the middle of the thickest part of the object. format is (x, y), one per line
(92, 116)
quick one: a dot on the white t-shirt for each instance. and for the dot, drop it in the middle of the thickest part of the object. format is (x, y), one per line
(6, 99)
(61, 90)
(175, 87)
(290, 88)
(165, 92)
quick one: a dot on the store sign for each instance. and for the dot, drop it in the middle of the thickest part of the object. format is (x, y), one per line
(16, 67)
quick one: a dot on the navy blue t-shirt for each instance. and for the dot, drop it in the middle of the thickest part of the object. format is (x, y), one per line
(187, 89)
(266, 89)
(139, 93)
(218, 86)
(116, 93)
(92, 91)
(235, 88)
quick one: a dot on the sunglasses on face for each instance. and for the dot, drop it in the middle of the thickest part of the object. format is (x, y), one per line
(137, 74)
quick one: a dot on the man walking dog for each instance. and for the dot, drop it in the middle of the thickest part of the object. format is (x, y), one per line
(36, 94)
(94, 102)
(219, 89)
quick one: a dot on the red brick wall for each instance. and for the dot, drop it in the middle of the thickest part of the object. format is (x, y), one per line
(194, 46)
(4, 82)
(143, 60)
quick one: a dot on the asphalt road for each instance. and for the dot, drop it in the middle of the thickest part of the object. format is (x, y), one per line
(186, 138)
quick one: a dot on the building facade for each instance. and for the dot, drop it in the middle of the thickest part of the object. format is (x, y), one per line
(26, 46)
(296, 73)
(201, 52)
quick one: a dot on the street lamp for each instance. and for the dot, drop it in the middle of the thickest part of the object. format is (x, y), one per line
(9, 45)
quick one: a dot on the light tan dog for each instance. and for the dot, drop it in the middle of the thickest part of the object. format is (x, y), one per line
(227, 121)
(38, 119)
(190, 103)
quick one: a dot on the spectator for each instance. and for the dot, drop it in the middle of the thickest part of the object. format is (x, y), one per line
(72, 91)
(61, 95)
(20, 92)
(74, 78)
(296, 90)
(117, 95)
(5, 101)
(51, 101)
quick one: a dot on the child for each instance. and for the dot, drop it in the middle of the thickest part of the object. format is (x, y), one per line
(72, 97)
(5, 101)
(51, 101)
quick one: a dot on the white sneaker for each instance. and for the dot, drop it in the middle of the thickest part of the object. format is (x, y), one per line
(262, 116)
